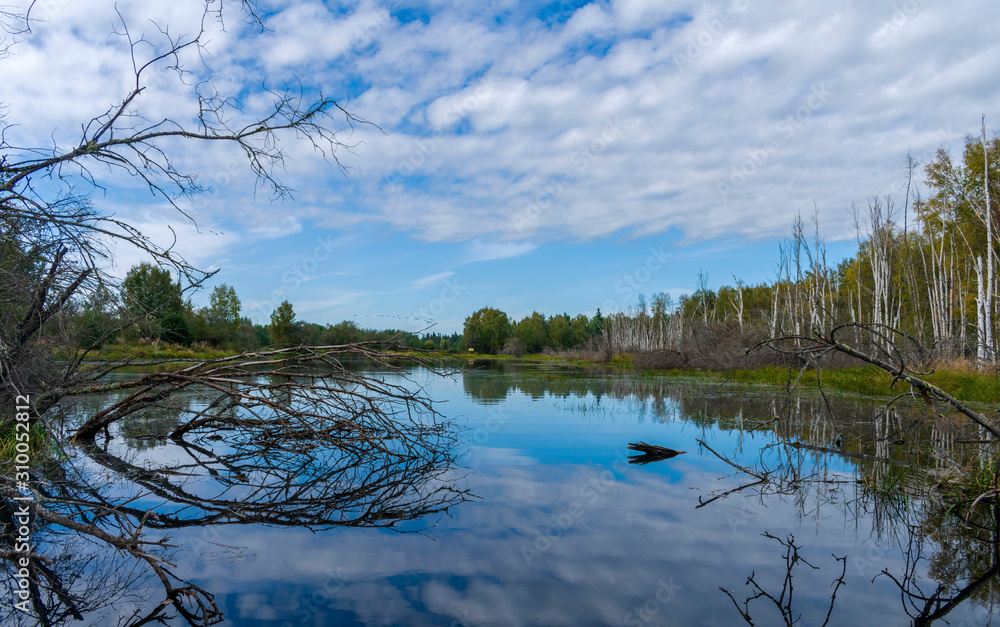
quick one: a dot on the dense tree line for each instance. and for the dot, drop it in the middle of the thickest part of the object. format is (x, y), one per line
(150, 307)
(490, 330)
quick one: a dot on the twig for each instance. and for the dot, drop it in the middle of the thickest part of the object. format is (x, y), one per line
(982, 497)
(763, 477)
(727, 493)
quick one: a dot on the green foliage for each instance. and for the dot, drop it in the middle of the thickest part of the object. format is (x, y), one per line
(308, 333)
(487, 330)
(262, 334)
(150, 291)
(91, 328)
(579, 326)
(94, 322)
(973, 387)
(533, 332)
(622, 361)
(561, 332)
(174, 328)
(282, 327)
(39, 443)
(974, 481)
(220, 324)
(224, 307)
(596, 324)
(159, 350)
(245, 337)
(957, 200)
(345, 332)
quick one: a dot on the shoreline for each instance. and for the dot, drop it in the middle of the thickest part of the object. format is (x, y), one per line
(869, 381)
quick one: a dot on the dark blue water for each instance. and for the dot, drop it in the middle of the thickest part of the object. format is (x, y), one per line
(560, 529)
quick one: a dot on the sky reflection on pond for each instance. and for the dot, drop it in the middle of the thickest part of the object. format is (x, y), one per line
(563, 531)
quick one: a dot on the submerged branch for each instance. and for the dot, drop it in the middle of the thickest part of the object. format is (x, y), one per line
(763, 477)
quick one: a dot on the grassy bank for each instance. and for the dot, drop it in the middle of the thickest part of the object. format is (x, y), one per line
(872, 381)
(157, 350)
(957, 379)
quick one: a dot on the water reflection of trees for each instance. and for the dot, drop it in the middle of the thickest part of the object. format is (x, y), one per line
(964, 563)
(961, 567)
(257, 484)
(855, 427)
(783, 600)
(882, 463)
(245, 485)
(948, 560)
(287, 447)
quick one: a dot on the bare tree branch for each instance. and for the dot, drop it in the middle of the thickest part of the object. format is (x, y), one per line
(886, 355)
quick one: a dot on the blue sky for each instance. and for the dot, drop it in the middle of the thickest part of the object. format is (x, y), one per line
(529, 155)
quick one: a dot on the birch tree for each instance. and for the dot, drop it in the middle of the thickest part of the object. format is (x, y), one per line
(984, 301)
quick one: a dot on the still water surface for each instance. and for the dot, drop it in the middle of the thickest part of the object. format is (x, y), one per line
(558, 528)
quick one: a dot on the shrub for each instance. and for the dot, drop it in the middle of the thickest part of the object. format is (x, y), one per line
(514, 347)
(175, 328)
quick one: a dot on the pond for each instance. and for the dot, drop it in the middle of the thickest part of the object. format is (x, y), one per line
(780, 507)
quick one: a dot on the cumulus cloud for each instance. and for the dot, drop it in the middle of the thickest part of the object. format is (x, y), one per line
(508, 129)
(726, 132)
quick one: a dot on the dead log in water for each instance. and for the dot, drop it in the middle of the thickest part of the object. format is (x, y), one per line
(650, 453)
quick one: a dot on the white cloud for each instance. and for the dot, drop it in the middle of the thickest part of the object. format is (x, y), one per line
(286, 225)
(693, 125)
(202, 243)
(515, 131)
(486, 251)
(430, 280)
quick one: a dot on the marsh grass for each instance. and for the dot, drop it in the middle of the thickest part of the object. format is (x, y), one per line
(969, 386)
(40, 445)
(976, 387)
(960, 488)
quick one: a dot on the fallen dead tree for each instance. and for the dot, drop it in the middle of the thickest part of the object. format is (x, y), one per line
(301, 395)
(886, 353)
(367, 452)
(291, 437)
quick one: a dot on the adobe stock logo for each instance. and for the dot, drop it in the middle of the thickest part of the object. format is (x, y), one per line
(450, 293)
(581, 162)
(630, 283)
(902, 13)
(644, 613)
(788, 128)
(708, 37)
